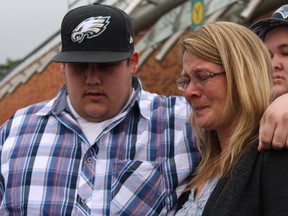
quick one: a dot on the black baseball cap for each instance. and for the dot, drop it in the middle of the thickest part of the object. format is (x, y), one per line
(278, 18)
(96, 34)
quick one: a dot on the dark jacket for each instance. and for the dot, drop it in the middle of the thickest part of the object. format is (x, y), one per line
(257, 186)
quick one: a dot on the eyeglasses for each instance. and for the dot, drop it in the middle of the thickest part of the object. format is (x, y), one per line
(198, 79)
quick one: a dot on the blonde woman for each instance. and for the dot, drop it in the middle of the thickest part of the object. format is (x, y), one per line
(226, 78)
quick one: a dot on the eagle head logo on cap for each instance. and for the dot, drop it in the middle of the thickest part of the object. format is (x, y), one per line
(90, 28)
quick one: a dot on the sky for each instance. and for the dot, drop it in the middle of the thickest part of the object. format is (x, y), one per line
(25, 24)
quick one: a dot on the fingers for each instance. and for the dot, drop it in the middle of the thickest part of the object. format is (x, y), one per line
(279, 140)
(266, 132)
(273, 130)
(260, 146)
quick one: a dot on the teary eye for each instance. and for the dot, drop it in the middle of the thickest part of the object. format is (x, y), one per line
(201, 76)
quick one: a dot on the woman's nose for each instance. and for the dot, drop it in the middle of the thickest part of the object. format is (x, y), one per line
(192, 90)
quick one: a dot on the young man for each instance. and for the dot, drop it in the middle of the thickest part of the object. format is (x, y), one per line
(103, 145)
(274, 33)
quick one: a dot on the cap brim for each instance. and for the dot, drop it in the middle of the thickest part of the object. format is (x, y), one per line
(262, 26)
(91, 56)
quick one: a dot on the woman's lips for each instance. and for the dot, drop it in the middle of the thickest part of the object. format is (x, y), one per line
(198, 108)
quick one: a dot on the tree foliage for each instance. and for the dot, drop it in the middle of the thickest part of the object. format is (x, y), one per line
(6, 67)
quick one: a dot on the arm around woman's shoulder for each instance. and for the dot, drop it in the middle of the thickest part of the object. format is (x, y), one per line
(275, 182)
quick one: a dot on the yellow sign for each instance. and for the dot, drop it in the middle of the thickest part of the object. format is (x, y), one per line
(197, 13)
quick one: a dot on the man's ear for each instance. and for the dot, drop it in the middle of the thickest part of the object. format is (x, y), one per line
(134, 59)
(62, 67)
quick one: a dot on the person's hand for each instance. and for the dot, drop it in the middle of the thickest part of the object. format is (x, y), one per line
(273, 132)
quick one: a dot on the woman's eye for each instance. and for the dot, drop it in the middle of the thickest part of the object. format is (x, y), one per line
(201, 77)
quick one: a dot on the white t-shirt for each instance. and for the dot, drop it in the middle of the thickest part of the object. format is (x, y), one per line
(93, 129)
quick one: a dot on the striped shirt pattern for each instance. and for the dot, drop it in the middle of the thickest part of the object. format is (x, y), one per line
(137, 166)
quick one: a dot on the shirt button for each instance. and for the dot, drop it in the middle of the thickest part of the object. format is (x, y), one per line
(83, 201)
(89, 159)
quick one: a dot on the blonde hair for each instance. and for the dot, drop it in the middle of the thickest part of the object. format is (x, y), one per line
(248, 68)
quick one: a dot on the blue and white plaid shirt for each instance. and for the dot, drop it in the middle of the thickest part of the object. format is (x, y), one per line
(137, 165)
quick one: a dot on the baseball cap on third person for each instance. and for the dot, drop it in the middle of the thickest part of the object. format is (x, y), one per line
(278, 18)
(96, 34)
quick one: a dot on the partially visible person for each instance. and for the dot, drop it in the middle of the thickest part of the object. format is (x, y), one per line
(227, 78)
(274, 33)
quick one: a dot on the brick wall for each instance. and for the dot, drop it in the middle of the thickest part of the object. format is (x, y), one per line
(41, 86)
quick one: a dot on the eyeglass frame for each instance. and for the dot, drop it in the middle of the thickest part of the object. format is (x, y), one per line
(199, 82)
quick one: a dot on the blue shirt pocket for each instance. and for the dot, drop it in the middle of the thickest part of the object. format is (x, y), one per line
(138, 188)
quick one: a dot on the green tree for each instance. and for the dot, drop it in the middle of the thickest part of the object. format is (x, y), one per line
(6, 67)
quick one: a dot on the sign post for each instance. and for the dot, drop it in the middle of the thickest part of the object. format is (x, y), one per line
(197, 9)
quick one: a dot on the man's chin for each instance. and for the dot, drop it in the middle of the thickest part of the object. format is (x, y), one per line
(277, 91)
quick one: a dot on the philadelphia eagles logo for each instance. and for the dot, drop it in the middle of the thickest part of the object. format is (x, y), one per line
(90, 28)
